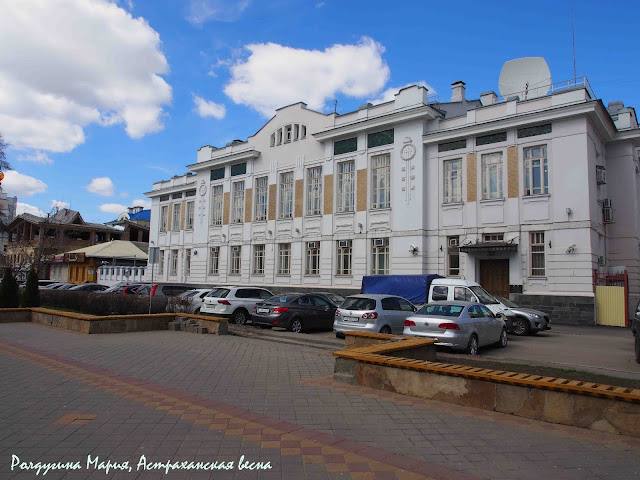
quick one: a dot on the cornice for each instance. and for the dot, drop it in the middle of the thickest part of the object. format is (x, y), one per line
(224, 159)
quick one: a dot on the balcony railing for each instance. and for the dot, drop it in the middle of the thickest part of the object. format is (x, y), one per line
(565, 85)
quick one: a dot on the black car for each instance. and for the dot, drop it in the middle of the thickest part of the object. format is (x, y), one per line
(89, 287)
(297, 312)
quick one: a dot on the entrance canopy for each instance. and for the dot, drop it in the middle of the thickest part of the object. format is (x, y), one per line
(491, 248)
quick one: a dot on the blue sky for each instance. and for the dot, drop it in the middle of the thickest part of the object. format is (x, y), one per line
(100, 99)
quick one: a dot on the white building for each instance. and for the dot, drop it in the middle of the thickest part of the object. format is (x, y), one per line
(526, 196)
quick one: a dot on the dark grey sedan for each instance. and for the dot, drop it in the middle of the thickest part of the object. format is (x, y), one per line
(526, 320)
(297, 312)
(459, 325)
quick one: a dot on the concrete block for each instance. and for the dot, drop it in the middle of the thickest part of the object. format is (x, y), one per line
(174, 326)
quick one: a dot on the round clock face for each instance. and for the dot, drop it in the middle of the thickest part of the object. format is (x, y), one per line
(203, 190)
(408, 152)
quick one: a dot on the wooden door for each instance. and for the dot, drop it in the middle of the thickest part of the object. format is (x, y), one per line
(494, 276)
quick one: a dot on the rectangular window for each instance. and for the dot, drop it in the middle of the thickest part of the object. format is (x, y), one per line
(187, 261)
(286, 195)
(176, 196)
(214, 260)
(164, 218)
(346, 184)
(453, 254)
(190, 193)
(492, 175)
(455, 145)
(312, 261)
(258, 259)
(191, 206)
(284, 259)
(160, 262)
(175, 224)
(217, 198)
(288, 133)
(237, 202)
(238, 169)
(536, 170)
(493, 237)
(173, 268)
(164, 198)
(380, 256)
(493, 138)
(314, 191)
(217, 174)
(533, 131)
(380, 138)
(381, 181)
(236, 258)
(452, 187)
(344, 257)
(537, 254)
(345, 146)
(262, 192)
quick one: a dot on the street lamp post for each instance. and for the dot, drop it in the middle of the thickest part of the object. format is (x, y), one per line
(152, 258)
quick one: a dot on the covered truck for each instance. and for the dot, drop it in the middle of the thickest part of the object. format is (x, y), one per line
(414, 288)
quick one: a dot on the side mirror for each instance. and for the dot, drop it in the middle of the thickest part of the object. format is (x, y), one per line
(415, 309)
(499, 315)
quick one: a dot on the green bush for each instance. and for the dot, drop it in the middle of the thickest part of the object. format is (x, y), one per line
(31, 294)
(9, 290)
(93, 303)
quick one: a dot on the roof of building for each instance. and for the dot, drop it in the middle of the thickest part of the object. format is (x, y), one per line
(63, 216)
(141, 216)
(116, 249)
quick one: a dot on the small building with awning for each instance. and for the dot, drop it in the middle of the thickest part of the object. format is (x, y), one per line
(106, 263)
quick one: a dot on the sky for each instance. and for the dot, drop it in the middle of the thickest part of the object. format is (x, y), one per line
(100, 99)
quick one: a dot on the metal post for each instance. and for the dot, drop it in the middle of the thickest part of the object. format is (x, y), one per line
(151, 257)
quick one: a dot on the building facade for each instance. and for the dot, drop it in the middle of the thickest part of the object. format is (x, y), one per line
(528, 196)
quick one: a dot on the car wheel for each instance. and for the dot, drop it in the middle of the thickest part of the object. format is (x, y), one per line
(638, 348)
(502, 343)
(386, 329)
(339, 335)
(296, 326)
(472, 347)
(240, 316)
(521, 327)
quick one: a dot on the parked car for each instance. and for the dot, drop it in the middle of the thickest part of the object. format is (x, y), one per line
(117, 288)
(157, 290)
(59, 286)
(332, 297)
(233, 302)
(459, 325)
(89, 287)
(188, 302)
(372, 313)
(297, 312)
(526, 320)
(635, 329)
(45, 283)
(131, 288)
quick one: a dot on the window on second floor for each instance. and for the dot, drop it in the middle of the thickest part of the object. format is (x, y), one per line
(262, 192)
(314, 191)
(177, 211)
(164, 218)
(217, 200)
(452, 188)
(492, 175)
(191, 206)
(286, 195)
(381, 181)
(536, 170)
(346, 186)
(237, 202)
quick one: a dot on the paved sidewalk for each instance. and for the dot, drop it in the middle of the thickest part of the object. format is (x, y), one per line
(182, 396)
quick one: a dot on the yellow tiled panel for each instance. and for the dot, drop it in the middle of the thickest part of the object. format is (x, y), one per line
(472, 193)
(512, 172)
(225, 209)
(328, 194)
(361, 200)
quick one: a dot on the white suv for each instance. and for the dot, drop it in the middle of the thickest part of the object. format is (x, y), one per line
(234, 303)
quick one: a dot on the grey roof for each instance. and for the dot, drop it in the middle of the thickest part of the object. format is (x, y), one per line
(456, 109)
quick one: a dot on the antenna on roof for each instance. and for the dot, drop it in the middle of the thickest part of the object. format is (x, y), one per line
(335, 105)
(573, 43)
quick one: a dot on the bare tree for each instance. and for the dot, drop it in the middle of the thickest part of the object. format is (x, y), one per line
(4, 165)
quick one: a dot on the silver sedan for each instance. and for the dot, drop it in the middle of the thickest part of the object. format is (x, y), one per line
(459, 325)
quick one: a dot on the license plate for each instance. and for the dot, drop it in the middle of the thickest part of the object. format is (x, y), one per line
(351, 319)
(263, 310)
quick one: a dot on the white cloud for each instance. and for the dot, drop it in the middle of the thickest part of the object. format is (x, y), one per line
(59, 204)
(98, 66)
(26, 208)
(20, 185)
(101, 186)
(275, 75)
(207, 108)
(141, 202)
(320, 4)
(201, 11)
(389, 93)
(36, 157)
(114, 208)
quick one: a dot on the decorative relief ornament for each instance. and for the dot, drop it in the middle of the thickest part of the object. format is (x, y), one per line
(409, 150)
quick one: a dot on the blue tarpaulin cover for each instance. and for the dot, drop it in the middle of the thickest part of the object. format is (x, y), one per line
(414, 288)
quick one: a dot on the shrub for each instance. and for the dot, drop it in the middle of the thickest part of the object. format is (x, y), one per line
(9, 290)
(31, 294)
(93, 303)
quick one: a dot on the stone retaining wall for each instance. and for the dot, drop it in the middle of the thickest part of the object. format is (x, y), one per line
(91, 324)
(555, 400)
(562, 309)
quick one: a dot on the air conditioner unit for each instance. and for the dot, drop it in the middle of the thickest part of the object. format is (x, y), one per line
(235, 249)
(380, 242)
(608, 214)
(602, 261)
(312, 245)
(606, 203)
(344, 243)
(601, 175)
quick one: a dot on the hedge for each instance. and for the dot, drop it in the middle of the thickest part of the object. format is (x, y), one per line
(93, 303)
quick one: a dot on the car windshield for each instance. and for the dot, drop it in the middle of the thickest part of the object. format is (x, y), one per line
(218, 293)
(279, 299)
(441, 310)
(483, 296)
(188, 294)
(358, 303)
(507, 302)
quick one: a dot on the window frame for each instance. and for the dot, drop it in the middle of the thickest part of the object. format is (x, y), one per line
(380, 253)
(175, 219)
(537, 249)
(190, 215)
(217, 204)
(312, 259)
(259, 251)
(381, 181)
(493, 167)
(237, 202)
(314, 190)
(284, 259)
(286, 194)
(543, 172)
(261, 209)
(164, 217)
(450, 182)
(453, 250)
(344, 258)
(187, 261)
(214, 260)
(173, 266)
(345, 199)
(235, 262)
(160, 262)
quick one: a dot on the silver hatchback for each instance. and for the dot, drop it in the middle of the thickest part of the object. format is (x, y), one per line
(372, 313)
